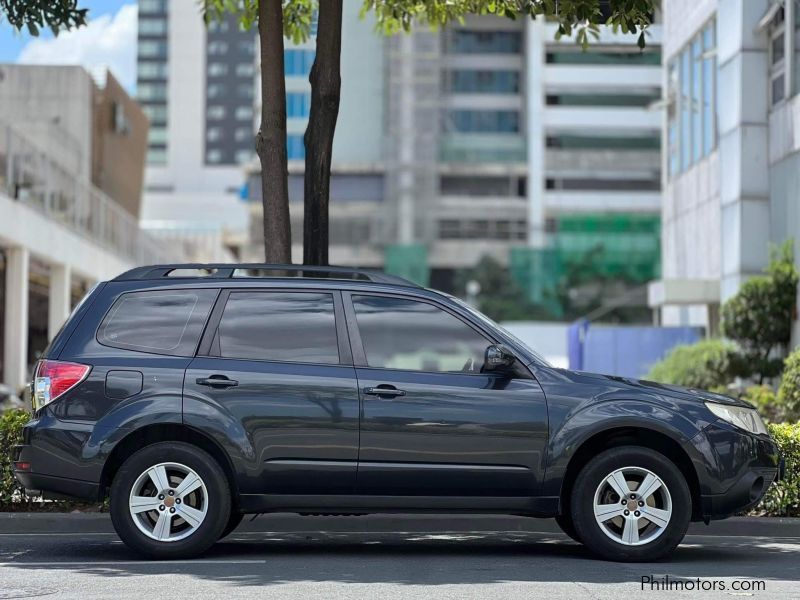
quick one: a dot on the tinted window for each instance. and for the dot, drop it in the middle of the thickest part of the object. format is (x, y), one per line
(161, 322)
(296, 327)
(411, 335)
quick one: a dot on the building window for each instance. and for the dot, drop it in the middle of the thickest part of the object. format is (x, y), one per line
(245, 90)
(484, 82)
(464, 41)
(215, 90)
(213, 156)
(156, 113)
(213, 134)
(242, 134)
(691, 96)
(295, 148)
(244, 113)
(246, 47)
(157, 135)
(152, 91)
(217, 69)
(777, 57)
(152, 49)
(298, 105)
(484, 121)
(297, 62)
(152, 26)
(215, 112)
(709, 89)
(156, 156)
(151, 70)
(217, 47)
(243, 156)
(245, 69)
(152, 6)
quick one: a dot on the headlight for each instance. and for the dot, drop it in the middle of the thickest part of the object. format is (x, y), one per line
(744, 418)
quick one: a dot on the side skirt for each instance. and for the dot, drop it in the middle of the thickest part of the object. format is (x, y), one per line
(546, 506)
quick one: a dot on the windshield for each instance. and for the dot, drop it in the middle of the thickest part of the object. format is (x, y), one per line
(494, 325)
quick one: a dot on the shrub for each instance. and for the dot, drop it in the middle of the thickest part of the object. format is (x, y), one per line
(789, 391)
(783, 497)
(759, 317)
(764, 398)
(11, 423)
(708, 364)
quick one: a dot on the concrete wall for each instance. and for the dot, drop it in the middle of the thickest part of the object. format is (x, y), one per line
(53, 105)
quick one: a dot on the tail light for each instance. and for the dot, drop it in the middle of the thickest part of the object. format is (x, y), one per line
(54, 378)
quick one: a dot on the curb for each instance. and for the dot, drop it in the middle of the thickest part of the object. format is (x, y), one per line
(82, 523)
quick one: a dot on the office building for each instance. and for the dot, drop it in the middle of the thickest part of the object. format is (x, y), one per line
(196, 84)
(731, 161)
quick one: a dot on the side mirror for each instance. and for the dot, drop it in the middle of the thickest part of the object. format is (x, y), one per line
(498, 358)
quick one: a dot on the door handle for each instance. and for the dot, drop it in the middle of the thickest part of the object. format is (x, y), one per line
(389, 392)
(217, 381)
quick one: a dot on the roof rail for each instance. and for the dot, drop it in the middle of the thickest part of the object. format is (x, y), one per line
(229, 271)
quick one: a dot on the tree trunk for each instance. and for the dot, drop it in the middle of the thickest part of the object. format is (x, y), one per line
(326, 84)
(271, 137)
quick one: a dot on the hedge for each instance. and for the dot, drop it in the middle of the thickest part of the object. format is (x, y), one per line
(783, 497)
(706, 365)
(11, 423)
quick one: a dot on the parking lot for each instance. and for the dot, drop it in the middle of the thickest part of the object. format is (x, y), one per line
(287, 556)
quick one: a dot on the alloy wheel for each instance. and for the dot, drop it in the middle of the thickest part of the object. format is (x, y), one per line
(168, 502)
(632, 506)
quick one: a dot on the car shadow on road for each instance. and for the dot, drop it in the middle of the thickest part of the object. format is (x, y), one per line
(259, 559)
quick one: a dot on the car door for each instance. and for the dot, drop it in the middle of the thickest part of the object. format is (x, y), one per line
(433, 421)
(274, 362)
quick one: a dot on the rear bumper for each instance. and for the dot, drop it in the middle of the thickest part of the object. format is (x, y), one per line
(36, 454)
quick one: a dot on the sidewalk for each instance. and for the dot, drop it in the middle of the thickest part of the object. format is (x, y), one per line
(11, 523)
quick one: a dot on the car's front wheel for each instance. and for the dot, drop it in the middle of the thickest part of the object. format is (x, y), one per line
(170, 500)
(631, 504)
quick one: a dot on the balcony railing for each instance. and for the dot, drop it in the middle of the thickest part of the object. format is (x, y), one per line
(33, 177)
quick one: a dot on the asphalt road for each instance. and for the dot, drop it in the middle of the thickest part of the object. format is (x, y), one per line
(78, 556)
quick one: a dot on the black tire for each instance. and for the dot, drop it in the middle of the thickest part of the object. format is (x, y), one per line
(582, 504)
(217, 512)
(233, 523)
(568, 527)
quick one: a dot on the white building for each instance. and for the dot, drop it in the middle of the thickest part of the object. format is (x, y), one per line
(196, 84)
(731, 140)
(59, 233)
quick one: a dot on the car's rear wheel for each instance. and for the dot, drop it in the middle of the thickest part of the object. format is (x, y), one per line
(631, 504)
(170, 500)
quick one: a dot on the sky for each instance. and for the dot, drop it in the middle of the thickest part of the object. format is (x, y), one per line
(109, 39)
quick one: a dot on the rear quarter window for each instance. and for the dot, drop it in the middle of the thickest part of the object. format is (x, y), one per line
(159, 322)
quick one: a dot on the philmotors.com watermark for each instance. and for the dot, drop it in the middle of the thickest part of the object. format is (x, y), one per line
(667, 583)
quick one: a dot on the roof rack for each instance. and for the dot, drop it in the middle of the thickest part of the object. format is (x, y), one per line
(229, 271)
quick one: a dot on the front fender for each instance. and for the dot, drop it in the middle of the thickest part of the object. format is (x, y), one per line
(590, 420)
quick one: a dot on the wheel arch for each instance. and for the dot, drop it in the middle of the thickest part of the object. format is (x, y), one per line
(165, 432)
(631, 435)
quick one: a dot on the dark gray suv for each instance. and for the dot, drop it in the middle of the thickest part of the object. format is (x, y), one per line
(194, 394)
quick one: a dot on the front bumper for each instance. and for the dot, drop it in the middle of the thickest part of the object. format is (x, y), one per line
(744, 466)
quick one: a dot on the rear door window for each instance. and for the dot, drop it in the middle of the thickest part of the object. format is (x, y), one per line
(279, 326)
(160, 322)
